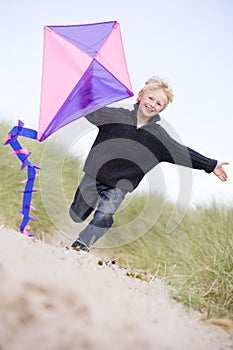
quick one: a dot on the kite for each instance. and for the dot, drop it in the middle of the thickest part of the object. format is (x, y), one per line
(84, 69)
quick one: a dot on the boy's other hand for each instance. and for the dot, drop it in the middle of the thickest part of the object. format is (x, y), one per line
(220, 172)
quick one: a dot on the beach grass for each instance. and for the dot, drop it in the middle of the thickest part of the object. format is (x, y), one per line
(195, 260)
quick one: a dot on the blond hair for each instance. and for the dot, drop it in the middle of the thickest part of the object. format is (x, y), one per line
(155, 83)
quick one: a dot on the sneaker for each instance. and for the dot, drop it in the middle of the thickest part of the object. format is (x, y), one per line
(78, 245)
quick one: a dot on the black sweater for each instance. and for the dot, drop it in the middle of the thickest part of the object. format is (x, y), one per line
(122, 153)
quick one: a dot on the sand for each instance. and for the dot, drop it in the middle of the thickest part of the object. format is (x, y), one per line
(54, 298)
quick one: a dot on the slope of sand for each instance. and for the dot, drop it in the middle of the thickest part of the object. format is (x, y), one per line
(52, 298)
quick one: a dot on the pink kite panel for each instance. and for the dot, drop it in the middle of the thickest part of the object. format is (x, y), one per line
(112, 57)
(63, 65)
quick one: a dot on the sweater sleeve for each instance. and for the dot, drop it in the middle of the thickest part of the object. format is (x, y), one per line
(176, 153)
(101, 116)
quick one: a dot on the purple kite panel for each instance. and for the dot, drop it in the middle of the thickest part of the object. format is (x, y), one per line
(88, 37)
(96, 89)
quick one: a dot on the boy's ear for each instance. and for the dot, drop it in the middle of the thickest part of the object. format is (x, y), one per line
(139, 96)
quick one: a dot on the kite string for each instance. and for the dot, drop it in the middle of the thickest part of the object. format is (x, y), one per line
(23, 155)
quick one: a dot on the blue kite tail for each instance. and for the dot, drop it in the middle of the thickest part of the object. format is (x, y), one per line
(23, 156)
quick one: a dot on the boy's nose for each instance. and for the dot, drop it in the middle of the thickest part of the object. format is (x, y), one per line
(153, 104)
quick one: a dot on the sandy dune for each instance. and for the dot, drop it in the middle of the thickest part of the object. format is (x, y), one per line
(53, 298)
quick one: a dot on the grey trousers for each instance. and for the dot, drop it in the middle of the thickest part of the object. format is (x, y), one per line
(90, 196)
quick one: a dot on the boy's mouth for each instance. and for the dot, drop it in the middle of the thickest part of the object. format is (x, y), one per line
(149, 109)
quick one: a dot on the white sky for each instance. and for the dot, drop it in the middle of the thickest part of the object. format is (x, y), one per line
(188, 42)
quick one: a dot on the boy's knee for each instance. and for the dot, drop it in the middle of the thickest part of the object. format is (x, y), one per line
(103, 219)
(75, 217)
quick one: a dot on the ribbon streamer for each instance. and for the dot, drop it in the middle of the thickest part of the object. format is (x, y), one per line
(23, 155)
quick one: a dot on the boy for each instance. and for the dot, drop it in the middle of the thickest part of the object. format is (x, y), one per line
(128, 145)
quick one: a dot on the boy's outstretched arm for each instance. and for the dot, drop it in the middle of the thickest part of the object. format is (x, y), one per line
(220, 172)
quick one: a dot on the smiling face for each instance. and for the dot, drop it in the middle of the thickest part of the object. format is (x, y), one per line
(151, 102)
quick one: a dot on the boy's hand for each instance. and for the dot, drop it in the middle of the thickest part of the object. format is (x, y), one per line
(220, 172)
